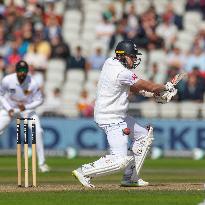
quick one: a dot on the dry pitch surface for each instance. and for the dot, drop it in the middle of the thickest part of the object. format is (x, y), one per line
(114, 187)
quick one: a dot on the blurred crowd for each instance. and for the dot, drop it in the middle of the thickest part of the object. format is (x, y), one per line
(33, 32)
(151, 31)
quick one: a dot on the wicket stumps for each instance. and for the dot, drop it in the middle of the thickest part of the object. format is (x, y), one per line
(33, 135)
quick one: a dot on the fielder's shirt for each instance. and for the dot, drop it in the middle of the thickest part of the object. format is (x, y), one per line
(12, 93)
(112, 92)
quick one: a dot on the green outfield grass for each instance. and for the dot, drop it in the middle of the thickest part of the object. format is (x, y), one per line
(155, 171)
(102, 198)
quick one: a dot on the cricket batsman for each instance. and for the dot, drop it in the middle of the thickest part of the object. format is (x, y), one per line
(20, 95)
(110, 113)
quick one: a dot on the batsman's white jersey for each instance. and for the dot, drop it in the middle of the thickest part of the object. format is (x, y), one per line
(112, 92)
(29, 94)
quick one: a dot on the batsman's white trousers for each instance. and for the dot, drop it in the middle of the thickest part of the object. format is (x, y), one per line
(117, 140)
(5, 120)
(118, 143)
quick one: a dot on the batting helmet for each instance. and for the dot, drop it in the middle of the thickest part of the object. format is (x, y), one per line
(128, 47)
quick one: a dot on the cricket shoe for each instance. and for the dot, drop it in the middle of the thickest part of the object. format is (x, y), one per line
(138, 183)
(85, 181)
(44, 168)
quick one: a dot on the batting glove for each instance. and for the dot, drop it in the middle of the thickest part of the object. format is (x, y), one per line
(165, 96)
(169, 87)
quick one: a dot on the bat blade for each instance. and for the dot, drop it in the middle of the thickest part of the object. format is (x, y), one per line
(177, 78)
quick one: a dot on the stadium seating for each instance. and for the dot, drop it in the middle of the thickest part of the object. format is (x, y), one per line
(192, 21)
(93, 75)
(142, 5)
(169, 110)
(149, 109)
(90, 86)
(189, 110)
(77, 75)
(79, 27)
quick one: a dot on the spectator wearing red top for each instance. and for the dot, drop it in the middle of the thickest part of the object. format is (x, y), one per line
(13, 57)
(50, 13)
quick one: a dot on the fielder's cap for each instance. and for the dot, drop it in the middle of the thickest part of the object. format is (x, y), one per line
(22, 66)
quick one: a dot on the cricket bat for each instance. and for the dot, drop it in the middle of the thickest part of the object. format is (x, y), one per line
(177, 78)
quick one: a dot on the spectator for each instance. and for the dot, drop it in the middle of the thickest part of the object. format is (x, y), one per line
(200, 75)
(132, 21)
(110, 13)
(27, 31)
(173, 17)
(96, 60)
(51, 13)
(105, 30)
(146, 35)
(13, 57)
(193, 89)
(42, 46)
(37, 13)
(12, 7)
(168, 31)
(176, 59)
(192, 5)
(12, 24)
(197, 58)
(2, 9)
(85, 105)
(77, 61)
(59, 49)
(52, 28)
(4, 44)
(36, 59)
(121, 32)
(22, 44)
(200, 38)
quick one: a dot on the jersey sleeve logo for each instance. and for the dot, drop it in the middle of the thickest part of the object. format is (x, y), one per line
(134, 77)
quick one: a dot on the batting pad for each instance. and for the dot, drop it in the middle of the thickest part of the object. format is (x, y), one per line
(106, 165)
(140, 149)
